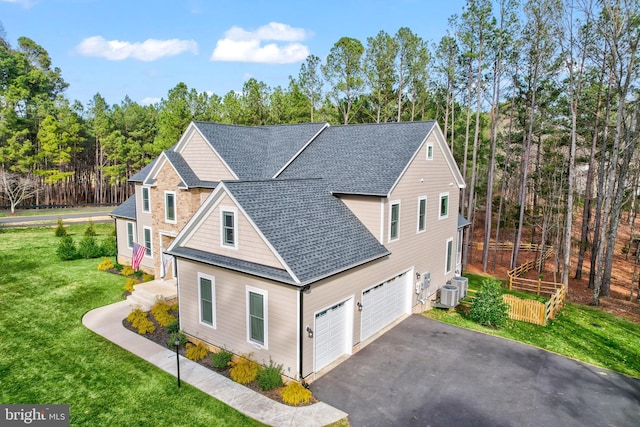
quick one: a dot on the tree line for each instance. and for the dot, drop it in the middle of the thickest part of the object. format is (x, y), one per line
(537, 99)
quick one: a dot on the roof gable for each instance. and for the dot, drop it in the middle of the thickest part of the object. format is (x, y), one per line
(360, 159)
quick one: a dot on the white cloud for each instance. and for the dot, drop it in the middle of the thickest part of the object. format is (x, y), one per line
(149, 100)
(148, 50)
(240, 45)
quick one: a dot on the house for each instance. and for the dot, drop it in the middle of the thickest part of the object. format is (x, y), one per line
(298, 243)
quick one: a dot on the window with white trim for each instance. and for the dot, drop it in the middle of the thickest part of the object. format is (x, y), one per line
(449, 256)
(147, 240)
(422, 214)
(394, 221)
(206, 295)
(131, 236)
(430, 151)
(170, 206)
(459, 247)
(444, 206)
(257, 317)
(229, 227)
(146, 200)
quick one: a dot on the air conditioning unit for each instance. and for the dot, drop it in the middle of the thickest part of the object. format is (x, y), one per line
(449, 295)
(463, 284)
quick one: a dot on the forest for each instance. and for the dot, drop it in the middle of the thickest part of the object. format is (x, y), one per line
(538, 101)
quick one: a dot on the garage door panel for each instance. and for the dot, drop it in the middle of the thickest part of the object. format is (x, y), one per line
(382, 304)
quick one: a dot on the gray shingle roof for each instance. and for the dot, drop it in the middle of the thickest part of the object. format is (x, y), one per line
(144, 172)
(126, 210)
(313, 231)
(257, 152)
(190, 179)
(360, 159)
(252, 268)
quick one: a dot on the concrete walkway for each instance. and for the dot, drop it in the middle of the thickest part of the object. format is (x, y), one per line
(107, 321)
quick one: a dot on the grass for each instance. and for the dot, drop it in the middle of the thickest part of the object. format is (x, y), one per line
(56, 211)
(48, 356)
(578, 331)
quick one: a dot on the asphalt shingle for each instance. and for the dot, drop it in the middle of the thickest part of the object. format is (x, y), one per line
(126, 210)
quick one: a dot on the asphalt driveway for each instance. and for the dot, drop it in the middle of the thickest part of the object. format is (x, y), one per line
(427, 373)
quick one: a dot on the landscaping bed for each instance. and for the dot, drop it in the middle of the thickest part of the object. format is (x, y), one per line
(160, 335)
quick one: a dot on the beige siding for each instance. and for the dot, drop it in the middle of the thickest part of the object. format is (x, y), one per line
(251, 246)
(124, 252)
(231, 314)
(412, 252)
(203, 160)
(368, 210)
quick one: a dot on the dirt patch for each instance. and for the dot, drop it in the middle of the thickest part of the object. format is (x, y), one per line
(618, 302)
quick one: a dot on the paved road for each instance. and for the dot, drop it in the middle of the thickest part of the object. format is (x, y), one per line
(96, 215)
(427, 373)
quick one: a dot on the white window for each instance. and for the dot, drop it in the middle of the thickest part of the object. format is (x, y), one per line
(170, 206)
(130, 234)
(430, 151)
(146, 200)
(422, 214)
(206, 294)
(459, 248)
(147, 240)
(229, 227)
(394, 221)
(257, 321)
(444, 206)
(449, 256)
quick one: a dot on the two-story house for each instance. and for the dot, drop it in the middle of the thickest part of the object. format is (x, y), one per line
(298, 243)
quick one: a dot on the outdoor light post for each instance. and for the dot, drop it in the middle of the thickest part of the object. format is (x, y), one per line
(177, 343)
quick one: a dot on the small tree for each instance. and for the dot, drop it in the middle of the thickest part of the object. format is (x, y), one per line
(60, 230)
(90, 230)
(488, 308)
(89, 248)
(67, 249)
(109, 246)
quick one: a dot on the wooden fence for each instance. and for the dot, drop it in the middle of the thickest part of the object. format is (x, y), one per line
(530, 310)
(509, 246)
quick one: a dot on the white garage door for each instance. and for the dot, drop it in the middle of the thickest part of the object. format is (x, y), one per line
(383, 304)
(330, 334)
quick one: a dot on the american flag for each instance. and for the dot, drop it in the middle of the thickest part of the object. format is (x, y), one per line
(138, 254)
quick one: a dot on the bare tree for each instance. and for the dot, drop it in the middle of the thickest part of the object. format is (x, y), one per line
(17, 188)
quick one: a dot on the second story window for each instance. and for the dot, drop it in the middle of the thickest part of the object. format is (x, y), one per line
(444, 206)
(229, 228)
(394, 221)
(422, 214)
(170, 206)
(146, 202)
(429, 151)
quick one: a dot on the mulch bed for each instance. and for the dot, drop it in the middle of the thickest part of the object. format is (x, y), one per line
(161, 336)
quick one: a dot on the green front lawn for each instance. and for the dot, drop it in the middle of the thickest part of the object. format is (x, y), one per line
(47, 356)
(578, 331)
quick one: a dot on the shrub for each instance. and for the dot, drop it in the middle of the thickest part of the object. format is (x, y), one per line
(295, 394)
(147, 277)
(182, 339)
(140, 321)
(244, 370)
(60, 230)
(130, 284)
(196, 352)
(90, 231)
(109, 246)
(89, 248)
(221, 359)
(127, 270)
(67, 249)
(270, 377)
(488, 308)
(173, 327)
(117, 266)
(105, 265)
(160, 312)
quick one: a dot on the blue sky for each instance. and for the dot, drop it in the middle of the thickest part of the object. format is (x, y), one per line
(144, 48)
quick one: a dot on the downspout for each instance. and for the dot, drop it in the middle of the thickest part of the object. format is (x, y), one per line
(302, 331)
